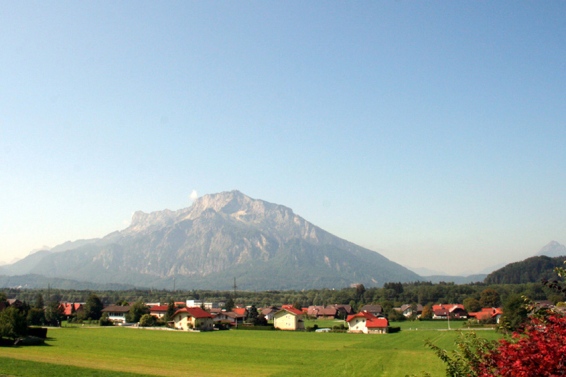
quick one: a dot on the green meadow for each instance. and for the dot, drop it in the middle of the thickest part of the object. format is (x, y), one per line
(134, 352)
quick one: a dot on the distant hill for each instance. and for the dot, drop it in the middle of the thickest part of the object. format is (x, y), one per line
(477, 278)
(530, 270)
(38, 281)
(553, 249)
(220, 237)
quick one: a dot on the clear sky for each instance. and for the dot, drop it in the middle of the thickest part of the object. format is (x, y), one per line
(432, 132)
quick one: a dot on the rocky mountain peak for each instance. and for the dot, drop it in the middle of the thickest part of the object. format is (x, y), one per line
(553, 249)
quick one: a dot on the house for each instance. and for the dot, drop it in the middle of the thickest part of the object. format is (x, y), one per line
(289, 319)
(487, 315)
(442, 311)
(117, 313)
(376, 310)
(158, 311)
(269, 312)
(329, 312)
(410, 310)
(343, 311)
(367, 323)
(69, 308)
(225, 318)
(193, 319)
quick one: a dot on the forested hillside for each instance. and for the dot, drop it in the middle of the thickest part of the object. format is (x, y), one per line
(530, 270)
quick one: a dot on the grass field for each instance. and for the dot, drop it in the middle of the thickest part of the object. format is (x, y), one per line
(130, 352)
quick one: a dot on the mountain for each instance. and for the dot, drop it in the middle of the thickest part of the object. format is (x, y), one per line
(456, 279)
(530, 270)
(220, 237)
(553, 249)
(41, 282)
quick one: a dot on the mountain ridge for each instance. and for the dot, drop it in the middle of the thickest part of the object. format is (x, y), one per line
(219, 237)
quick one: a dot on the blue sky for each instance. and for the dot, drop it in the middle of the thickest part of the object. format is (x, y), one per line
(431, 132)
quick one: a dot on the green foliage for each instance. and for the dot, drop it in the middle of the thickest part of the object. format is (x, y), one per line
(170, 310)
(489, 298)
(105, 321)
(472, 305)
(466, 359)
(229, 305)
(35, 317)
(515, 313)
(12, 323)
(147, 320)
(38, 303)
(137, 310)
(530, 270)
(93, 307)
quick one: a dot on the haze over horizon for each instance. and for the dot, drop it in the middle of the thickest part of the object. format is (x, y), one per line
(431, 133)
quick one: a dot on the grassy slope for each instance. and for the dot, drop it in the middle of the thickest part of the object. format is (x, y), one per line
(235, 353)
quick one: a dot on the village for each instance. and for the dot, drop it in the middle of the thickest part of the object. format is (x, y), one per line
(196, 315)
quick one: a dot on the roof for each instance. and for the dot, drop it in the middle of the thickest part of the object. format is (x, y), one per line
(443, 309)
(371, 320)
(68, 307)
(240, 311)
(159, 308)
(116, 309)
(372, 308)
(194, 312)
(486, 313)
(291, 310)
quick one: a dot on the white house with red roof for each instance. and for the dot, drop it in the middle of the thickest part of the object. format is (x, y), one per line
(487, 314)
(158, 311)
(442, 311)
(193, 319)
(367, 323)
(289, 318)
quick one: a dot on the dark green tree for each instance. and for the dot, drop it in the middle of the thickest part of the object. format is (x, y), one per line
(515, 313)
(147, 320)
(252, 315)
(39, 303)
(136, 311)
(12, 323)
(93, 307)
(53, 314)
(489, 298)
(472, 305)
(36, 317)
(170, 310)
(229, 305)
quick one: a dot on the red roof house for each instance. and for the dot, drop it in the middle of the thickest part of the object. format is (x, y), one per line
(193, 319)
(367, 323)
(486, 314)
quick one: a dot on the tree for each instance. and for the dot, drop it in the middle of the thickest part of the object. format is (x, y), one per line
(540, 351)
(472, 305)
(427, 312)
(252, 314)
(229, 305)
(93, 307)
(489, 298)
(12, 323)
(53, 313)
(38, 303)
(36, 317)
(170, 310)
(136, 312)
(147, 320)
(468, 357)
(515, 313)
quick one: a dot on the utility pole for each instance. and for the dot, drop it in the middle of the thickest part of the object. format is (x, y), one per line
(235, 286)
